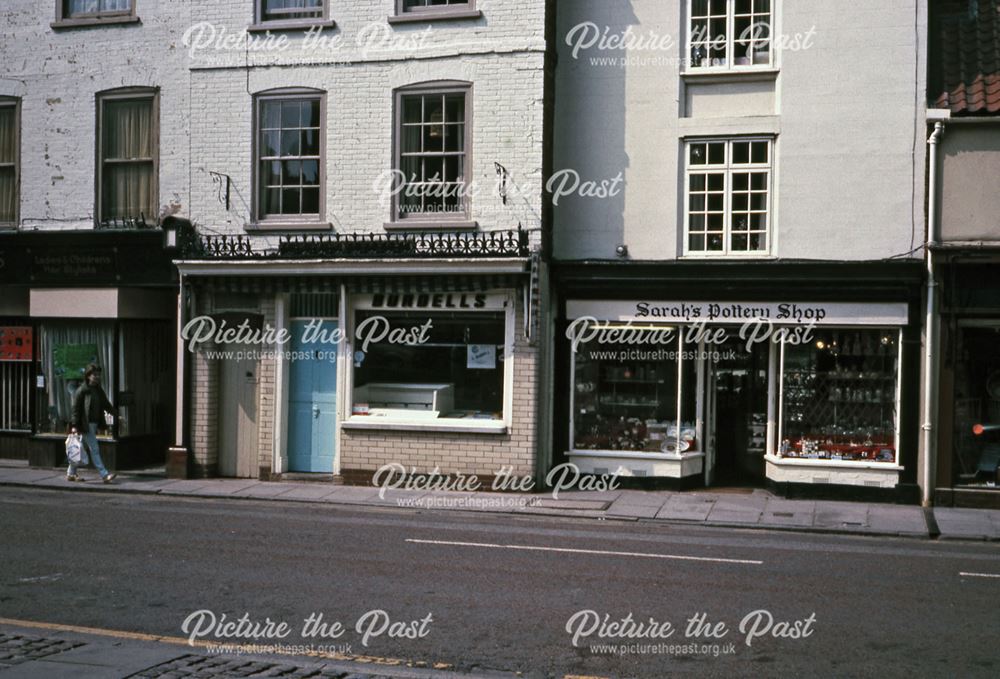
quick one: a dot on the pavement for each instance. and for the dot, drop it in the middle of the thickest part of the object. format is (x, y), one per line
(752, 509)
(66, 651)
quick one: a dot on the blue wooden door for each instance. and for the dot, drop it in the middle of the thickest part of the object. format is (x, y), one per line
(312, 402)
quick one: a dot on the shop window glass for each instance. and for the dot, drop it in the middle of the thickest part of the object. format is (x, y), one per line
(456, 372)
(625, 396)
(839, 396)
(977, 408)
(66, 348)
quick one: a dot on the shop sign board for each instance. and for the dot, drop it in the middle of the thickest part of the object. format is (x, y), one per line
(889, 314)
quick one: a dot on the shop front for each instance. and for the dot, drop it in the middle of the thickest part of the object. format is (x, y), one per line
(350, 364)
(806, 395)
(70, 300)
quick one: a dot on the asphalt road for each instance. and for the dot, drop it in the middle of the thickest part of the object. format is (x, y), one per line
(501, 590)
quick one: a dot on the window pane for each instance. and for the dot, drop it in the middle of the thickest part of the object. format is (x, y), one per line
(291, 114)
(129, 192)
(8, 194)
(760, 151)
(454, 138)
(290, 143)
(741, 152)
(291, 173)
(310, 113)
(290, 201)
(310, 201)
(272, 173)
(128, 129)
(717, 153)
(696, 242)
(458, 373)
(310, 142)
(8, 134)
(310, 172)
(758, 181)
(412, 107)
(66, 347)
(455, 108)
(699, 154)
(271, 115)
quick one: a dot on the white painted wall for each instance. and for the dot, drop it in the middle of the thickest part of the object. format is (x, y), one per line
(206, 102)
(57, 75)
(848, 115)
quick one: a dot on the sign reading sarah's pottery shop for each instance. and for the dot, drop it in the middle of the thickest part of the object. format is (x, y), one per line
(778, 313)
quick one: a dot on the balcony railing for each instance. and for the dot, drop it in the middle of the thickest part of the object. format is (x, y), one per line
(511, 243)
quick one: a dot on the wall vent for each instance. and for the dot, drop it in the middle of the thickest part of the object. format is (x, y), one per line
(821, 479)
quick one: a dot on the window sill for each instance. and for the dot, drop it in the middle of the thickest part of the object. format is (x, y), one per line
(636, 454)
(728, 258)
(437, 425)
(278, 227)
(431, 225)
(297, 25)
(841, 464)
(94, 21)
(424, 17)
(741, 74)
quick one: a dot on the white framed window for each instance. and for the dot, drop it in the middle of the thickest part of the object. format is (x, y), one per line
(427, 360)
(728, 196)
(728, 35)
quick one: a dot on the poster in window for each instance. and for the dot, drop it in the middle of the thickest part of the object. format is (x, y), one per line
(15, 344)
(481, 357)
(71, 360)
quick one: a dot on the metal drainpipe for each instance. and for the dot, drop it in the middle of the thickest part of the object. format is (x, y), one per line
(931, 327)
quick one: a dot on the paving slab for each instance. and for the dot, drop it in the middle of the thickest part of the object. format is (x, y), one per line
(548, 503)
(966, 524)
(185, 487)
(622, 509)
(783, 519)
(900, 520)
(634, 497)
(841, 515)
(263, 490)
(676, 511)
(308, 492)
(721, 514)
(227, 488)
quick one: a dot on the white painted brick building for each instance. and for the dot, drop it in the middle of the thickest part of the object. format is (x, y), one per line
(210, 66)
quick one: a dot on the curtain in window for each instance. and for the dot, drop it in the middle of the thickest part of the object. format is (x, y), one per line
(128, 160)
(8, 157)
(59, 350)
(95, 6)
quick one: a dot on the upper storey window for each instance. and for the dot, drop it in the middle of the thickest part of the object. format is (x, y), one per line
(730, 34)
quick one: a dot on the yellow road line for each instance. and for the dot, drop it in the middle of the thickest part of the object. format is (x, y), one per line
(198, 643)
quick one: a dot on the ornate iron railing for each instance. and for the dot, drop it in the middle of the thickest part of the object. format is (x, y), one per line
(511, 243)
(125, 224)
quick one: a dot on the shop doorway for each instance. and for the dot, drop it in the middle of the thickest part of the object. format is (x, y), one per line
(312, 397)
(737, 398)
(238, 412)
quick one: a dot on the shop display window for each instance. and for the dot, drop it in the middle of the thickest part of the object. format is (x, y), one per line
(66, 348)
(453, 369)
(839, 396)
(636, 398)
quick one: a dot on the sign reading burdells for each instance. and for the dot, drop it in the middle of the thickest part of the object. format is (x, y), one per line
(15, 344)
(779, 313)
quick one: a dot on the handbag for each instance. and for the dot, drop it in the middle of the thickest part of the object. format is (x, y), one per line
(74, 449)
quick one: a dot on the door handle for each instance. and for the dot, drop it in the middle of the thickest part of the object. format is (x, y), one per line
(315, 412)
